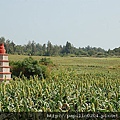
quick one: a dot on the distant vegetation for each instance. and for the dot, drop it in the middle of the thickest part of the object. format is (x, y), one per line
(42, 83)
(48, 49)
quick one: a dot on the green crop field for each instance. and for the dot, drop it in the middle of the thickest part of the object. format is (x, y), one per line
(81, 84)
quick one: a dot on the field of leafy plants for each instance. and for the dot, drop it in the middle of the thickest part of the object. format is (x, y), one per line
(74, 84)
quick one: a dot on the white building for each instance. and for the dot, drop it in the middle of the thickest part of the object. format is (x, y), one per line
(5, 73)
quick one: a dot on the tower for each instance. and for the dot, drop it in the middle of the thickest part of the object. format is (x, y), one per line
(5, 73)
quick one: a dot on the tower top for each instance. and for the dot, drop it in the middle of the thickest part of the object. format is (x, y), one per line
(2, 49)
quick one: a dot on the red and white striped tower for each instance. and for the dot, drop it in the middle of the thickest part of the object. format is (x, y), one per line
(5, 73)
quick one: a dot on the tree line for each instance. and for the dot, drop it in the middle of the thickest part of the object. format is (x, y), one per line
(48, 49)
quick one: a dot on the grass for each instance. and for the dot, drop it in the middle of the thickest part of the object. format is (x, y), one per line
(74, 60)
(83, 65)
(86, 64)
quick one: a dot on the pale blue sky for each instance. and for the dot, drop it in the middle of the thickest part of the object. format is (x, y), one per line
(81, 22)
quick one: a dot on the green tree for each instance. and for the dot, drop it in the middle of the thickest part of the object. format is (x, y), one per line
(33, 45)
(91, 52)
(29, 48)
(19, 49)
(2, 40)
(7, 44)
(68, 47)
(49, 49)
(11, 49)
(44, 49)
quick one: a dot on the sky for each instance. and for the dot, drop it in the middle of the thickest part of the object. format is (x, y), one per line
(81, 22)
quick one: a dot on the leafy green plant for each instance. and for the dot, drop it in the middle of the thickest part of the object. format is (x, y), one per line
(28, 67)
(46, 61)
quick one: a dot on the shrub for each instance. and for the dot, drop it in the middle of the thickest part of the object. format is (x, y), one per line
(46, 61)
(28, 67)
